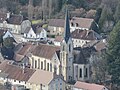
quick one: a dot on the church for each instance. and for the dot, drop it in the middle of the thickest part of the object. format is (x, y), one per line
(65, 60)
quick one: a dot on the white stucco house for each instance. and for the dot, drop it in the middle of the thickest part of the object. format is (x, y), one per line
(58, 40)
(82, 37)
(31, 79)
(34, 34)
(16, 23)
(5, 32)
(80, 23)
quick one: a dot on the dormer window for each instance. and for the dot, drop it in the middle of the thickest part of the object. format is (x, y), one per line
(76, 24)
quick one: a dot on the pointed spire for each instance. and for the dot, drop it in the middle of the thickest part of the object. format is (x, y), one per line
(66, 27)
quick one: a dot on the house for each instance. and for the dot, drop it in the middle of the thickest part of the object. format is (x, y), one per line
(46, 81)
(14, 22)
(22, 52)
(88, 86)
(22, 77)
(80, 23)
(58, 40)
(56, 26)
(13, 74)
(26, 23)
(82, 37)
(5, 32)
(34, 34)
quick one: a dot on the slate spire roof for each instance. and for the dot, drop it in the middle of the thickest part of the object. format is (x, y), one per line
(66, 28)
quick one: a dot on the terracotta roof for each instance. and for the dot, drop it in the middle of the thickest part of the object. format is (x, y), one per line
(58, 38)
(101, 45)
(43, 77)
(15, 19)
(25, 49)
(45, 51)
(16, 73)
(85, 35)
(3, 17)
(82, 22)
(88, 86)
(18, 57)
(56, 22)
(22, 51)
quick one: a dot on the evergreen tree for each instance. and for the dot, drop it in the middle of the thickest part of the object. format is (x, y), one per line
(106, 15)
(113, 54)
(117, 13)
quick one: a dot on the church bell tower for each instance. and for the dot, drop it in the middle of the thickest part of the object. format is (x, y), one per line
(66, 52)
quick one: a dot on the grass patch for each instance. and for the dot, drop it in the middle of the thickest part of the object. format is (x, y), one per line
(36, 21)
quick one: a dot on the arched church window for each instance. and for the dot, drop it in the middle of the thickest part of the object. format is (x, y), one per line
(69, 47)
(63, 48)
(86, 72)
(72, 24)
(80, 73)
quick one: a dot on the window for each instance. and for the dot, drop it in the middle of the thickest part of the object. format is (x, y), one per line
(51, 67)
(38, 63)
(69, 77)
(32, 62)
(41, 65)
(76, 24)
(72, 24)
(44, 64)
(69, 68)
(35, 64)
(80, 73)
(69, 47)
(47, 66)
(55, 69)
(43, 34)
(63, 48)
(86, 72)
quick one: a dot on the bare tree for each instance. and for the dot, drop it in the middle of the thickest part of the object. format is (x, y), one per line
(30, 9)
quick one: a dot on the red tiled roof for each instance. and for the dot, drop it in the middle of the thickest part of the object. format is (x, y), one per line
(15, 19)
(45, 51)
(82, 22)
(85, 34)
(25, 49)
(56, 22)
(100, 45)
(58, 38)
(88, 86)
(16, 73)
